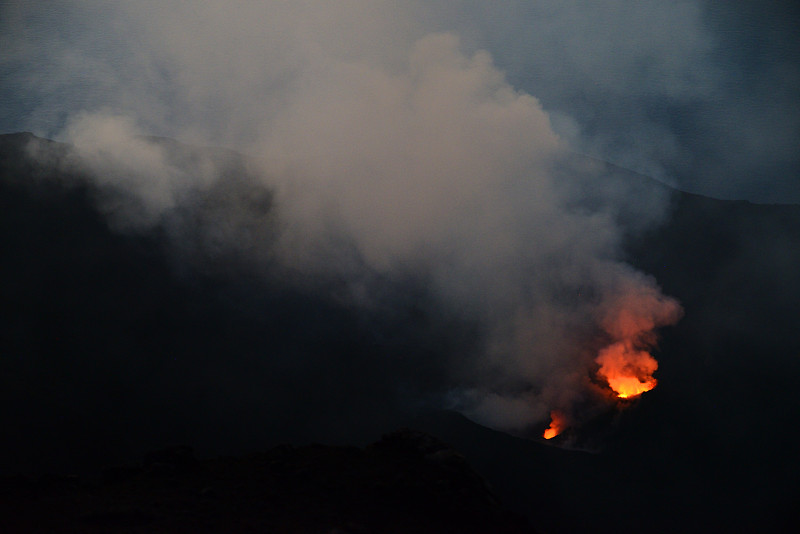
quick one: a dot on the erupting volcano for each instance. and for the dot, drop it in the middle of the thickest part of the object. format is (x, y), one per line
(557, 425)
(626, 363)
(628, 371)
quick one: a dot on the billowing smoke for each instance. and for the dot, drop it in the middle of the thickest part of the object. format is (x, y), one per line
(390, 150)
(698, 93)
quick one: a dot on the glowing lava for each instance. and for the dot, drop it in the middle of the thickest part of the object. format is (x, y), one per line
(557, 425)
(631, 322)
(628, 370)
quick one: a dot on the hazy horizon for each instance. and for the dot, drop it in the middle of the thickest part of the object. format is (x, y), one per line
(698, 94)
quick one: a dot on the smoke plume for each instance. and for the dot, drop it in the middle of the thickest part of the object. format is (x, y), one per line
(391, 150)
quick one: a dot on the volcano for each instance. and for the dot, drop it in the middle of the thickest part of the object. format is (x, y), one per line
(114, 343)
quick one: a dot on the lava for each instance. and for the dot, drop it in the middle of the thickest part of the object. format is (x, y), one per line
(628, 370)
(557, 425)
(631, 322)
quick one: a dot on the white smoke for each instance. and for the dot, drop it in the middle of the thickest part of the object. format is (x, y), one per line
(418, 155)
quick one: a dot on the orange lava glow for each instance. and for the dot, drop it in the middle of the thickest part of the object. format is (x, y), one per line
(557, 425)
(631, 321)
(628, 370)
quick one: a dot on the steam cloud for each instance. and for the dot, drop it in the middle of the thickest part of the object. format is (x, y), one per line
(390, 149)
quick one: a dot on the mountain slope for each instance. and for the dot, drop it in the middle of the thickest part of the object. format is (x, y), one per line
(406, 482)
(111, 346)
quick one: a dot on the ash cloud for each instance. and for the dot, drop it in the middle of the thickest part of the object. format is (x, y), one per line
(392, 151)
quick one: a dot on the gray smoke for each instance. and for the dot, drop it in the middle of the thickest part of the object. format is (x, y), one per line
(390, 144)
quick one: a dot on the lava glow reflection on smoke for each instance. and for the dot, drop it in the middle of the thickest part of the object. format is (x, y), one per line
(628, 371)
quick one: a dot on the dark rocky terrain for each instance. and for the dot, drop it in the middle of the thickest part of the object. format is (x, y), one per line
(406, 482)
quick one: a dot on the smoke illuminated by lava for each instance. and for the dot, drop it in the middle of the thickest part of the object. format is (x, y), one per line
(626, 364)
(557, 425)
(629, 372)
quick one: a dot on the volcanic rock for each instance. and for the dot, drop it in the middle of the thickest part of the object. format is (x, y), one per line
(406, 482)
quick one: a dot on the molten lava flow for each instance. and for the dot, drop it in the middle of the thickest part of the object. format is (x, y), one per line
(557, 425)
(628, 371)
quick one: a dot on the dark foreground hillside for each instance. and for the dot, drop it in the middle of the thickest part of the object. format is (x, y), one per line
(406, 482)
(116, 342)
